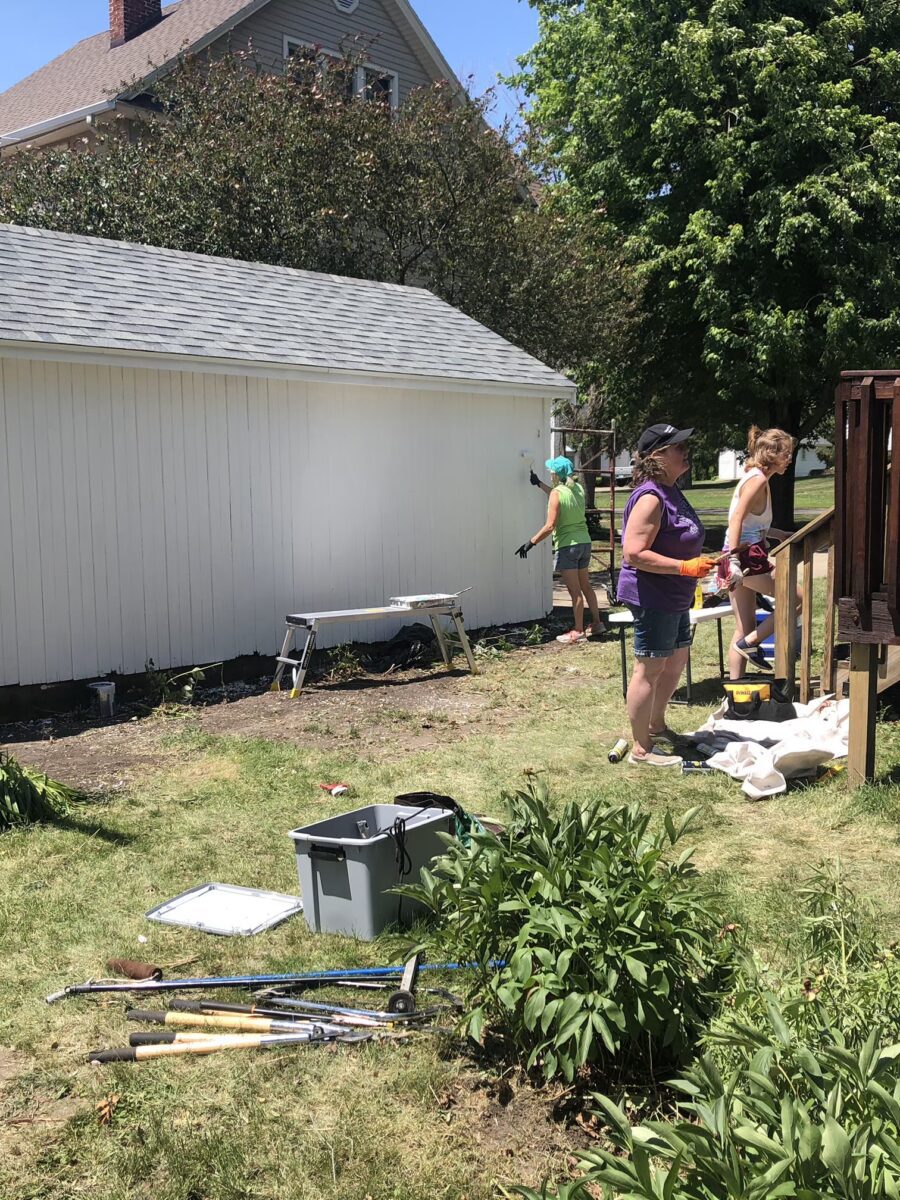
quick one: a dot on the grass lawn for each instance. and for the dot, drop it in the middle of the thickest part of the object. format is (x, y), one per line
(210, 795)
(810, 495)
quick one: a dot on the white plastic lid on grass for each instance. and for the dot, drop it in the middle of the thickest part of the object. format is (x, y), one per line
(226, 909)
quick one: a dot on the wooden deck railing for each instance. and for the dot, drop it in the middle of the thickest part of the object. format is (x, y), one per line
(862, 533)
(792, 555)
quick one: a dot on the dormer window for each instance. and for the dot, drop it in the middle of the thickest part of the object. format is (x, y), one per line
(368, 82)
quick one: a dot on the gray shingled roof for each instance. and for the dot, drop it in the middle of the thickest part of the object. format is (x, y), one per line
(92, 71)
(64, 290)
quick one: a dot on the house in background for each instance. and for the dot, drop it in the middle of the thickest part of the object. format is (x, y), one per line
(169, 485)
(109, 74)
(731, 463)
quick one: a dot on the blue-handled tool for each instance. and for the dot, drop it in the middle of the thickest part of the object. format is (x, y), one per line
(252, 981)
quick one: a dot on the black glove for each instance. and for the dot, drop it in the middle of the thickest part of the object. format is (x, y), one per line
(524, 548)
(535, 481)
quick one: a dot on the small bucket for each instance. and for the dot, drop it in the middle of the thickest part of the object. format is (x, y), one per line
(104, 699)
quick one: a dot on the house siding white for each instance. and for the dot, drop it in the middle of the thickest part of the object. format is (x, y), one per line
(178, 515)
(320, 22)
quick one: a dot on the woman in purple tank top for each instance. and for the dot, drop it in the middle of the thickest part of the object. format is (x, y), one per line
(662, 548)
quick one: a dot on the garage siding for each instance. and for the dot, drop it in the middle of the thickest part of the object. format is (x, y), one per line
(179, 515)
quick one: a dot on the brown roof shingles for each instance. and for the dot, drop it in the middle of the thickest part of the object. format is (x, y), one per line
(92, 71)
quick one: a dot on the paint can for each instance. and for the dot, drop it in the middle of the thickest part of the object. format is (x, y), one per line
(104, 699)
(618, 752)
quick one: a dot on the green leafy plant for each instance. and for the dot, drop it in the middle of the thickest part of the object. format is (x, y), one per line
(807, 1118)
(493, 648)
(343, 661)
(846, 981)
(179, 687)
(837, 928)
(27, 796)
(485, 651)
(610, 950)
(534, 636)
(799, 1091)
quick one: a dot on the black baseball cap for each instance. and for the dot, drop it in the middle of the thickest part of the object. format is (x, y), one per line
(659, 436)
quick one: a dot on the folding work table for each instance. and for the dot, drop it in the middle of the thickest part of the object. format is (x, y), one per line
(312, 622)
(698, 616)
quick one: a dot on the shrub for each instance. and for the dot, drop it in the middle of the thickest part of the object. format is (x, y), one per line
(799, 1094)
(608, 951)
(798, 1117)
(27, 796)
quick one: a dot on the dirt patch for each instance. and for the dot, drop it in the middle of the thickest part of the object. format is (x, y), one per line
(12, 1064)
(508, 1119)
(409, 711)
(88, 756)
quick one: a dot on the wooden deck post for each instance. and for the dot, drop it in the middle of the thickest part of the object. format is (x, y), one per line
(863, 710)
(826, 683)
(806, 624)
(786, 614)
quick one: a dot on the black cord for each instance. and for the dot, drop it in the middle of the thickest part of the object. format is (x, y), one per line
(422, 801)
(401, 858)
(401, 854)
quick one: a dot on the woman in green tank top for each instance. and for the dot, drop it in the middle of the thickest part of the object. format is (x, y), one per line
(567, 524)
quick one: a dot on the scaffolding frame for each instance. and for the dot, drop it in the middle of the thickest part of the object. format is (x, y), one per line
(559, 446)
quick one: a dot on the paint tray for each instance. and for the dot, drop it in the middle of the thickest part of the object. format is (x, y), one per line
(226, 909)
(432, 600)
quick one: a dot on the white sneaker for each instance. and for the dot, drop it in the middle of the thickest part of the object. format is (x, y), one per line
(571, 637)
(653, 759)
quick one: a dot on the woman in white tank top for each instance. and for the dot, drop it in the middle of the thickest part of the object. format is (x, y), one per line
(747, 571)
(755, 526)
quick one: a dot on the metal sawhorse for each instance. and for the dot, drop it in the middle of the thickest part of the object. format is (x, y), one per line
(312, 622)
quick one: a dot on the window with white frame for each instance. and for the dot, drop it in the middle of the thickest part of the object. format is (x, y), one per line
(368, 81)
(380, 86)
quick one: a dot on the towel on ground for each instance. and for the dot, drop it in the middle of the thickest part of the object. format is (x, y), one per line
(765, 754)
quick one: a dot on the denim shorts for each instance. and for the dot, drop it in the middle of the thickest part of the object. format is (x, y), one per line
(659, 634)
(574, 558)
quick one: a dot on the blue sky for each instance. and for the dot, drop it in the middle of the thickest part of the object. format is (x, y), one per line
(478, 37)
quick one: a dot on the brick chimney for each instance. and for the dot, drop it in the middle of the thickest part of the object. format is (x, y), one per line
(128, 18)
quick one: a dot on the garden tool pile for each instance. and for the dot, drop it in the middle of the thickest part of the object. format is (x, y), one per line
(278, 1018)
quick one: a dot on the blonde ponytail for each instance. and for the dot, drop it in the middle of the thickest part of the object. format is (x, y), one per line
(766, 446)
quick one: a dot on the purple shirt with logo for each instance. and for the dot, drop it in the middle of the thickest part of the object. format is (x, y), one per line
(681, 535)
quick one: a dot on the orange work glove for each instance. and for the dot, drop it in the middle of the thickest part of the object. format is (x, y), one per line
(698, 567)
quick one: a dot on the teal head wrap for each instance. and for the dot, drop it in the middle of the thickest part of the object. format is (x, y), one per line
(561, 466)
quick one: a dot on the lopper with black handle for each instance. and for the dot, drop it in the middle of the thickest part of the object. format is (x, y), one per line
(284, 1009)
(160, 1037)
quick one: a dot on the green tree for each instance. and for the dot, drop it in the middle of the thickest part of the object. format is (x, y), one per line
(748, 153)
(285, 169)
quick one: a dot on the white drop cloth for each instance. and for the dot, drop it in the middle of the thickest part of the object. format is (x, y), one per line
(765, 754)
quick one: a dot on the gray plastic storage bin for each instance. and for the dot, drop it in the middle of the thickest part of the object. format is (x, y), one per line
(344, 876)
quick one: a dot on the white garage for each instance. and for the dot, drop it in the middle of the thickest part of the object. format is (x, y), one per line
(193, 447)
